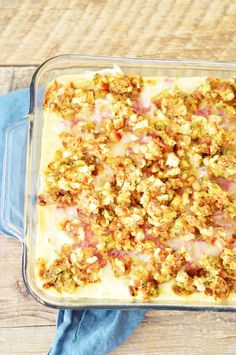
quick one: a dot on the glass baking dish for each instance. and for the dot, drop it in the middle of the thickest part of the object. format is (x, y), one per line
(22, 156)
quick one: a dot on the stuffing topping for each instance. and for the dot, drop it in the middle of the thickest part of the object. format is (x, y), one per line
(152, 183)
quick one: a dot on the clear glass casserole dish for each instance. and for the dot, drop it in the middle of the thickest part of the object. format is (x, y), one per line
(23, 157)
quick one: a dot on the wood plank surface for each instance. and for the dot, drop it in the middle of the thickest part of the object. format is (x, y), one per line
(31, 32)
(13, 78)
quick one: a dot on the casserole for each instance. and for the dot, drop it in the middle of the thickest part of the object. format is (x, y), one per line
(32, 128)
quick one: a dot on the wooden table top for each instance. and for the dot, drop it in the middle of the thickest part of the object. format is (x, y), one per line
(31, 32)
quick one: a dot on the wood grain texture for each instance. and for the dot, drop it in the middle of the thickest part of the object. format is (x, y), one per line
(18, 308)
(26, 340)
(34, 31)
(13, 78)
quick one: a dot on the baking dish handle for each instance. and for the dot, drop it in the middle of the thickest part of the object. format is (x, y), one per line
(13, 179)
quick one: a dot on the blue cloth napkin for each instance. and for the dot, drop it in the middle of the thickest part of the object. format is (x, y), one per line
(85, 332)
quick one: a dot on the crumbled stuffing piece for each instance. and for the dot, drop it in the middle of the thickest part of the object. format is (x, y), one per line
(75, 267)
(153, 184)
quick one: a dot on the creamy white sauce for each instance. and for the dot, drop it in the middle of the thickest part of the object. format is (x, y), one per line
(196, 248)
(102, 110)
(99, 179)
(202, 172)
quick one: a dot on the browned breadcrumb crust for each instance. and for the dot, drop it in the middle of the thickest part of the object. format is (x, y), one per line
(131, 205)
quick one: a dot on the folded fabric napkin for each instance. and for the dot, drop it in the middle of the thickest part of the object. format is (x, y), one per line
(85, 332)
